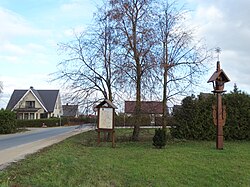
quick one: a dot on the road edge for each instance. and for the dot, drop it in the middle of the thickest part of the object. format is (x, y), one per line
(11, 155)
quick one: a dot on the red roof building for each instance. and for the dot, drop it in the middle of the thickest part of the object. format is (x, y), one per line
(147, 107)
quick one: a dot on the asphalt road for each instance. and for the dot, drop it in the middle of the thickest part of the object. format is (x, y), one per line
(15, 147)
(35, 134)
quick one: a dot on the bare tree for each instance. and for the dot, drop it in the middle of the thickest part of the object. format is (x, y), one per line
(129, 41)
(132, 19)
(1, 88)
(182, 56)
(87, 69)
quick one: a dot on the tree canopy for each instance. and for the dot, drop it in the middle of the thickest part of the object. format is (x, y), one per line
(137, 48)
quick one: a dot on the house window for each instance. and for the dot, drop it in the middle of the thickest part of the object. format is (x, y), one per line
(20, 116)
(26, 116)
(30, 104)
(32, 116)
(44, 115)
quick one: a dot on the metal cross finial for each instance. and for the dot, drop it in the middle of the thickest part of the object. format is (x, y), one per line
(218, 51)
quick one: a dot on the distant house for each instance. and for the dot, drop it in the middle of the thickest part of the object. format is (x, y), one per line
(35, 104)
(70, 110)
(176, 108)
(152, 108)
(147, 107)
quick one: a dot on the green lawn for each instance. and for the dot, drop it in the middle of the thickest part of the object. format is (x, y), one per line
(77, 161)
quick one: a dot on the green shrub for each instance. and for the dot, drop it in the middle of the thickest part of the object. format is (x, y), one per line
(54, 122)
(124, 120)
(194, 120)
(81, 120)
(51, 122)
(237, 125)
(7, 122)
(159, 139)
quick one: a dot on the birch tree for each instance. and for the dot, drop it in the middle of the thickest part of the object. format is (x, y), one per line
(182, 56)
(1, 88)
(132, 21)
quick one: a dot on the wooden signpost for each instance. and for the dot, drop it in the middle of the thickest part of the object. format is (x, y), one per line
(106, 122)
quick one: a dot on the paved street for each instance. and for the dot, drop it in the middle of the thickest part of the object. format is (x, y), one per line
(15, 146)
(35, 134)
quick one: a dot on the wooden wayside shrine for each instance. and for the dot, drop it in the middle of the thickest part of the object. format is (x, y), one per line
(219, 78)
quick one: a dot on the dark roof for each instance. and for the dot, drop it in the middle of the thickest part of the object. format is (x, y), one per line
(216, 74)
(37, 95)
(49, 98)
(46, 97)
(15, 97)
(110, 104)
(70, 110)
(147, 107)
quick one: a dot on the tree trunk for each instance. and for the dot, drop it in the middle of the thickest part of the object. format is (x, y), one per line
(135, 136)
(110, 93)
(164, 100)
(165, 80)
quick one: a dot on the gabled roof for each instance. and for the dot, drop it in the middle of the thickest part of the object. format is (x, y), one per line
(70, 110)
(15, 97)
(108, 102)
(37, 95)
(47, 98)
(217, 74)
(147, 107)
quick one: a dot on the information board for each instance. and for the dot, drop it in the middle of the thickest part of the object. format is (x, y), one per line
(106, 118)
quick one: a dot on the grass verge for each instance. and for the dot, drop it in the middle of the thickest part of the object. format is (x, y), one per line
(78, 161)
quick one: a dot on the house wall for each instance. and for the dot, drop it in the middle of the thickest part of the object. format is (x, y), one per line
(22, 104)
(28, 97)
(58, 108)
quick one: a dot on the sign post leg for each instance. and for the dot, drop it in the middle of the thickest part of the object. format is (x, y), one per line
(99, 138)
(113, 139)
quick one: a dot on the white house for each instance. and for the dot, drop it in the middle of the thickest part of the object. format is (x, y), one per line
(35, 104)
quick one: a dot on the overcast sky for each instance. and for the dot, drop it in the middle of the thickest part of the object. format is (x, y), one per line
(31, 29)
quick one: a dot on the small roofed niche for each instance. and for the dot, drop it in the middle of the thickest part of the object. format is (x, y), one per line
(219, 78)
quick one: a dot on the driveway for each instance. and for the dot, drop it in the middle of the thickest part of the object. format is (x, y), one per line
(16, 146)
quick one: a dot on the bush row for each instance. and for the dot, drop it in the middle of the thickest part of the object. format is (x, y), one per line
(120, 121)
(194, 120)
(51, 122)
(54, 122)
(124, 120)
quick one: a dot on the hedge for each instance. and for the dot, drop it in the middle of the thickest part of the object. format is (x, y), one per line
(124, 120)
(7, 122)
(194, 119)
(54, 122)
(51, 122)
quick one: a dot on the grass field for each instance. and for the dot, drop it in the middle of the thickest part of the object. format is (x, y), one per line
(78, 161)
